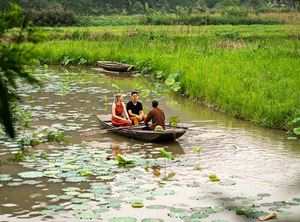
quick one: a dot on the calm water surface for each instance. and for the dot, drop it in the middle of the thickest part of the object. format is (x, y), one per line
(256, 166)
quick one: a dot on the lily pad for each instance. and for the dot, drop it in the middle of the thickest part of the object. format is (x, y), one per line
(122, 219)
(178, 213)
(244, 210)
(76, 179)
(5, 177)
(31, 174)
(163, 192)
(137, 204)
(152, 220)
(157, 207)
(227, 182)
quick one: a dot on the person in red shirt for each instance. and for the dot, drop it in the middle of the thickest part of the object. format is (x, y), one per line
(118, 108)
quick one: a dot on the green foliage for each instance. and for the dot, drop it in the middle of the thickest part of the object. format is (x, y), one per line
(246, 72)
(122, 160)
(13, 58)
(51, 17)
(55, 136)
(234, 11)
(11, 16)
(180, 8)
(294, 127)
(197, 149)
(174, 120)
(167, 155)
(30, 139)
(19, 156)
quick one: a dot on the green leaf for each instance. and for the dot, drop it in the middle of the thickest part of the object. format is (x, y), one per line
(174, 120)
(196, 149)
(124, 160)
(137, 204)
(166, 154)
(297, 130)
(122, 219)
(213, 178)
(244, 210)
(115, 86)
(85, 173)
(169, 81)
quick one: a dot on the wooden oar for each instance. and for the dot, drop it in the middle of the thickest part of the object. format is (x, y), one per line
(102, 131)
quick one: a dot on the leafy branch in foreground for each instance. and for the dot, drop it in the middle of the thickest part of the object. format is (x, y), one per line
(13, 59)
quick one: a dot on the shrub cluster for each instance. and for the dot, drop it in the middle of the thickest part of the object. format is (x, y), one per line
(51, 17)
(209, 20)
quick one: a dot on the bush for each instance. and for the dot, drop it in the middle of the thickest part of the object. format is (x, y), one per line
(51, 17)
(234, 11)
(209, 20)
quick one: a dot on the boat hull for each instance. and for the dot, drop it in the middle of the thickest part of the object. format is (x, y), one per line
(170, 134)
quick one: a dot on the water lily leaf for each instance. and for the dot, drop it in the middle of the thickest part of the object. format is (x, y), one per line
(85, 173)
(31, 174)
(122, 219)
(157, 207)
(213, 178)
(256, 214)
(5, 177)
(197, 149)
(169, 176)
(47, 213)
(296, 199)
(227, 183)
(178, 213)
(163, 192)
(31, 182)
(152, 220)
(220, 220)
(137, 204)
(81, 207)
(87, 215)
(54, 207)
(14, 184)
(124, 160)
(166, 154)
(244, 210)
(79, 200)
(86, 195)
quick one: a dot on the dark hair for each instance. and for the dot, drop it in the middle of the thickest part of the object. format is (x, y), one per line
(154, 103)
(134, 92)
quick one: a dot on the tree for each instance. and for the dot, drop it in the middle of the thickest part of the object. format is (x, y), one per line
(13, 58)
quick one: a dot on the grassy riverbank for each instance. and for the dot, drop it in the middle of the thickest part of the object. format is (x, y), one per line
(249, 72)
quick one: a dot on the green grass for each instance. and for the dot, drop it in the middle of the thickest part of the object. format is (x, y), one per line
(249, 72)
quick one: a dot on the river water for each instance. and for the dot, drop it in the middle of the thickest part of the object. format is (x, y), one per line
(257, 167)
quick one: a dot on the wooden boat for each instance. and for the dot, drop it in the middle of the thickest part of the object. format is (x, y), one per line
(115, 66)
(136, 132)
